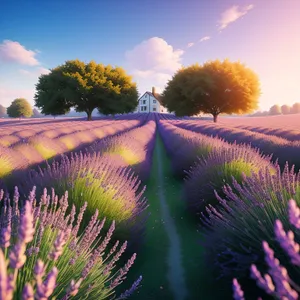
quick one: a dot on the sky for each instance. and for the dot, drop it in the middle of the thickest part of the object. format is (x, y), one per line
(151, 40)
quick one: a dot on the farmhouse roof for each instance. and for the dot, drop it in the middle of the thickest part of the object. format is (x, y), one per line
(156, 96)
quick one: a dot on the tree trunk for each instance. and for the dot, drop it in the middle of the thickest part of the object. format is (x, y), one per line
(89, 115)
(215, 118)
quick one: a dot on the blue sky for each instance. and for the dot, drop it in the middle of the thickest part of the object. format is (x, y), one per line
(151, 40)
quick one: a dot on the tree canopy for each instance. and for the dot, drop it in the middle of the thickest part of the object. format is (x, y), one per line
(215, 87)
(86, 87)
(295, 108)
(285, 109)
(19, 108)
(2, 111)
(275, 110)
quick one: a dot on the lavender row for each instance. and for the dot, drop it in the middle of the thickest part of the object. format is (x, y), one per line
(282, 149)
(135, 147)
(40, 148)
(245, 217)
(208, 163)
(53, 128)
(288, 134)
(10, 139)
(103, 177)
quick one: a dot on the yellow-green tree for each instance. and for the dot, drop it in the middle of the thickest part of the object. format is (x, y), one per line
(19, 108)
(213, 88)
(86, 87)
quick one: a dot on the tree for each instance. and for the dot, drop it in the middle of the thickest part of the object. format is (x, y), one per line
(19, 108)
(275, 110)
(86, 87)
(2, 111)
(214, 88)
(295, 108)
(285, 109)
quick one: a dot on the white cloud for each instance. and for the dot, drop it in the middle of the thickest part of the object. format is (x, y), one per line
(205, 38)
(154, 54)
(189, 45)
(35, 73)
(8, 94)
(232, 14)
(152, 63)
(14, 52)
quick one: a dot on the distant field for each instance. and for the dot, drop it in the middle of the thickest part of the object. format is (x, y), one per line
(194, 199)
(291, 122)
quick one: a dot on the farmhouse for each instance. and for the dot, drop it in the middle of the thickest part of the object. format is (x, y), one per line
(150, 102)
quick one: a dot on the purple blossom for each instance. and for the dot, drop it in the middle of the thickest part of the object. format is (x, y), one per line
(130, 291)
(287, 243)
(294, 213)
(238, 294)
(74, 287)
(45, 289)
(17, 255)
(3, 276)
(58, 246)
(26, 228)
(28, 293)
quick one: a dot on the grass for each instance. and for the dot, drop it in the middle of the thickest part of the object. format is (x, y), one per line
(152, 257)
(198, 277)
(151, 260)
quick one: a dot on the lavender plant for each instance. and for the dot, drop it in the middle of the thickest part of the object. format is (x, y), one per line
(115, 192)
(10, 160)
(277, 282)
(46, 147)
(218, 168)
(42, 255)
(246, 215)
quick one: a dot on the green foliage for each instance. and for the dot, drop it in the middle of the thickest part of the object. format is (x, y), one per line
(20, 107)
(214, 88)
(2, 111)
(86, 87)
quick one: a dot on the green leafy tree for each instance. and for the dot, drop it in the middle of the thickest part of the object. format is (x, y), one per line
(285, 109)
(86, 87)
(213, 88)
(295, 108)
(2, 111)
(275, 110)
(19, 108)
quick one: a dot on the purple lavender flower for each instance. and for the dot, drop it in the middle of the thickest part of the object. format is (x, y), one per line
(238, 294)
(3, 276)
(26, 228)
(17, 255)
(28, 293)
(294, 213)
(287, 242)
(45, 289)
(73, 288)
(58, 246)
(133, 288)
(87, 259)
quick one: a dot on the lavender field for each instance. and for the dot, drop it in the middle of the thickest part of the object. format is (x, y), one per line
(150, 206)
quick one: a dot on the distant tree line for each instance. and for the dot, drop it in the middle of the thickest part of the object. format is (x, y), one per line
(216, 87)
(280, 110)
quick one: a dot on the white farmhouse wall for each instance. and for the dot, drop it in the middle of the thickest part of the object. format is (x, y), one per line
(148, 103)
